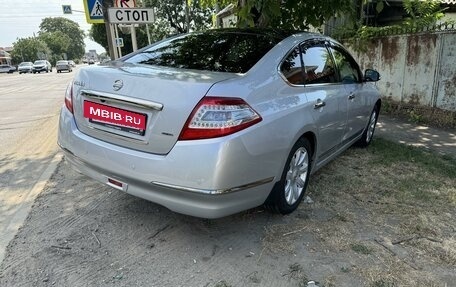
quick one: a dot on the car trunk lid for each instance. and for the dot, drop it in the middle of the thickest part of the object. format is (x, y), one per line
(137, 106)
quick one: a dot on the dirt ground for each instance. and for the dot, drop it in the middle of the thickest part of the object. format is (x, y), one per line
(355, 232)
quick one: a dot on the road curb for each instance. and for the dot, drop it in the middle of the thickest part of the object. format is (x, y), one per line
(24, 209)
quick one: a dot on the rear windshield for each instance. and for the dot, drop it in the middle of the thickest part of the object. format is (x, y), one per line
(39, 62)
(232, 52)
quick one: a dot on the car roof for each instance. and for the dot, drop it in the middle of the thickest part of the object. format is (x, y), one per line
(270, 32)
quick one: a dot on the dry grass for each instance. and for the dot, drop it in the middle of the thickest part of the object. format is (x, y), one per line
(282, 238)
(386, 191)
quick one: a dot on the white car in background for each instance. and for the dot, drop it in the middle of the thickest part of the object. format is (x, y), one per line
(25, 67)
(41, 66)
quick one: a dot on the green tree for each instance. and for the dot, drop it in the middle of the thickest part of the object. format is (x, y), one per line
(57, 42)
(174, 12)
(71, 29)
(29, 49)
(97, 33)
(422, 13)
(290, 14)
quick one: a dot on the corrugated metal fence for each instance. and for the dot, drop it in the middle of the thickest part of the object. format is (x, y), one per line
(418, 69)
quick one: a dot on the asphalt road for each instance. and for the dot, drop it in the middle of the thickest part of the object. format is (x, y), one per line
(29, 108)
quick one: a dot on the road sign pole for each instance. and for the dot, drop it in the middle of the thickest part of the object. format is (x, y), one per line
(133, 37)
(109, 33)
(119, 49)
(147, 25)
(113, 43)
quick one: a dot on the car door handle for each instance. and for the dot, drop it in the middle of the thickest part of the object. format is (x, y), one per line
(351, 97)
(319, 104)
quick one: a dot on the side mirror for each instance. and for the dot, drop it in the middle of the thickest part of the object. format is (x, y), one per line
(371, 75)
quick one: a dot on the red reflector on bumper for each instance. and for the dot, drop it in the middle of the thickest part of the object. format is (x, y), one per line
(116, 184)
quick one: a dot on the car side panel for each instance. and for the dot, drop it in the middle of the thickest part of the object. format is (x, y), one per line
(329, 119)
(359, 108)
(286, 113)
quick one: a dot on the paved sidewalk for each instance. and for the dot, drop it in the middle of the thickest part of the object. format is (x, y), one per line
(398, 130)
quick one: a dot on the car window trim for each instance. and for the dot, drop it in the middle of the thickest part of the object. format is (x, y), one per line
(299, 46)
(279, 67)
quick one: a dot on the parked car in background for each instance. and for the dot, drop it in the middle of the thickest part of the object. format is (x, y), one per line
(25, 67)
(72, 63)
(41, 66)
(63, 65)
(242, 122)
(5, 68)
(91, 61)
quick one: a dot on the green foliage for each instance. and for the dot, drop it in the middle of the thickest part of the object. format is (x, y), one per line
(29, 49)
(57, 42)
(291, 14)
(422, 13)
(173, 13)
(98, 34)
(71, 29)
(422, 16)
(300, 14)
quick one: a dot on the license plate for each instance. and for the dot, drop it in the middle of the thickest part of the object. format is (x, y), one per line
(115, 118)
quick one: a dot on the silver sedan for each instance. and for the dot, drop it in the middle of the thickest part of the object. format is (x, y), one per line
(209, 124)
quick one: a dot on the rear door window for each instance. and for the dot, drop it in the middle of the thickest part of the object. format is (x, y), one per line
(318, 64)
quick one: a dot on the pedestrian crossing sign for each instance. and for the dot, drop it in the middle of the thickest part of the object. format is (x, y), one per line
(94, 11)
(66, 9)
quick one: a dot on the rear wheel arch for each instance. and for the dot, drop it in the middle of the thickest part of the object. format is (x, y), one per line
(378, 105)
(277, 199)
(310, 136)
(369, 130)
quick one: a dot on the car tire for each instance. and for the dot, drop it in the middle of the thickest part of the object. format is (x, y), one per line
(368, 133)
(287, 194)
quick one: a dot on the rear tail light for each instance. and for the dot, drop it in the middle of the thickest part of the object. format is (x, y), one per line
(216, 117)
(69, 97)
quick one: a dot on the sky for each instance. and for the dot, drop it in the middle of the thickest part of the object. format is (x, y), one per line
(22, 18)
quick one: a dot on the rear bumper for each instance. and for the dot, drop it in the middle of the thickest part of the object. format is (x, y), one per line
(210, 180)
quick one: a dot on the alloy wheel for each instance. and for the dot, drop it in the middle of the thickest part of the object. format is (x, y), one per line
(295, 180)
(371, 127)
